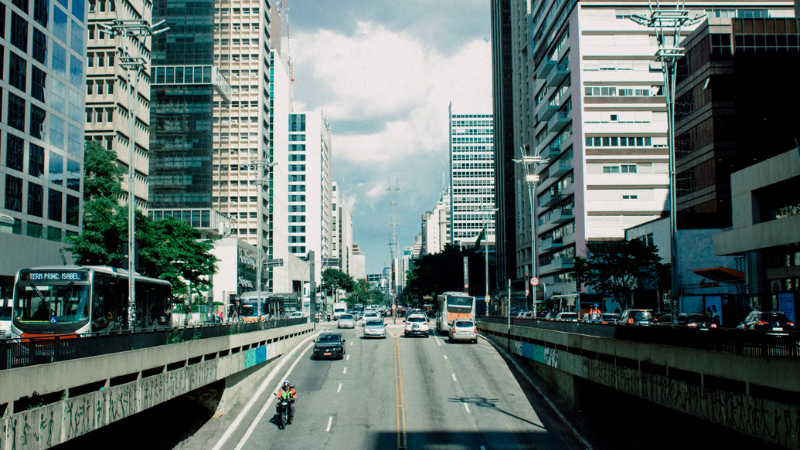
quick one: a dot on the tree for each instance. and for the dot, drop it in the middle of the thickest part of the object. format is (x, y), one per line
(617, 268)
(440, 272)
(169, 249)
(334, 280)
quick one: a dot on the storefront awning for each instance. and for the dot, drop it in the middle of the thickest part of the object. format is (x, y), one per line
(721, 274)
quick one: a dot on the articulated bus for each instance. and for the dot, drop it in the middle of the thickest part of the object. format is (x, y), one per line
(76, 300)
(248, 306)
(453, 306)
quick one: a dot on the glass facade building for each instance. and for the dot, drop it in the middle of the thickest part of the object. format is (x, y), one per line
(43, 47)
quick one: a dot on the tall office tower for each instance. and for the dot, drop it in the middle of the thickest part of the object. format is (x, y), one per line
(310, 207)
(185, 85)
(471, 177)
(436, 226)
(245, 35)
(41, 129)
(358, 263)
(336, 246)
(108, 96)
(280, 103)
(505, 151)
(342, 230)
(598, 116)
(722, 126)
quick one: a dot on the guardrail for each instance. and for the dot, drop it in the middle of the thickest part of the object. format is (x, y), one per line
(728, 340)
(34, 351)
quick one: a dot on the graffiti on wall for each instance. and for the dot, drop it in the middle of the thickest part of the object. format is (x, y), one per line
(551, 357)
(772, 421)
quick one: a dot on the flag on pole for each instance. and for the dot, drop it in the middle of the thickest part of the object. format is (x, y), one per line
(481, 236)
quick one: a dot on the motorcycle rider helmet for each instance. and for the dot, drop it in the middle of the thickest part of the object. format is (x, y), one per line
(286, 383)
(595, 305)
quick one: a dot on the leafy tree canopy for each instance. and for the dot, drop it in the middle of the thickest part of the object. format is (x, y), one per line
(334, 280)
(169, 249)
(440, 272)
(617, 268)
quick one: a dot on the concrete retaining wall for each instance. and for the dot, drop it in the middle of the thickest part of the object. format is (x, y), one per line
(754, 396)
(43, 427)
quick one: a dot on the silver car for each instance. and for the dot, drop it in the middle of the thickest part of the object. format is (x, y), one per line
(464, 330)
(374, 328)
(347, 321)
(370, 315)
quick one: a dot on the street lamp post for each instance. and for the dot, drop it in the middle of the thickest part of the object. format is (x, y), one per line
(260, 182)
(667, 24)
(487, 214)
(133, 65)
(531, 178)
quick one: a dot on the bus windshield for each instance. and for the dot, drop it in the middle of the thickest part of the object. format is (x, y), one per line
(459, 304)
(51, 303)
(249, 308)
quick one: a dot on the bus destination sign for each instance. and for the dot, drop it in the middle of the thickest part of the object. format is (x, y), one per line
(54, 276)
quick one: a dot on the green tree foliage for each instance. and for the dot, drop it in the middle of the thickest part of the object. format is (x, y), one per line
(440, 272)
(334, 280)
(162, 243)
(617, 268)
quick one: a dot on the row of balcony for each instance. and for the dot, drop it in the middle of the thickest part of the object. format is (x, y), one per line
(557, 264)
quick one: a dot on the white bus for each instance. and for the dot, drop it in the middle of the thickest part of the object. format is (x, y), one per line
(453, 306)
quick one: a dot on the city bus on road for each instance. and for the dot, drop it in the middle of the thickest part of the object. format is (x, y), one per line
(452, 306)
(71, 301)
(272, 305)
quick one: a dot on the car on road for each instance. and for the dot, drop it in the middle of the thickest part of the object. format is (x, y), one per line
(347, 321)
(296, 315)
(525, 315)
(767, 321)
(463, 330)
(551, 316)
(639, 317)
(690, 320)
(329, 345)
(370, 315)
(374, 328)
(567, 317)
(417, 324)
(609, 318)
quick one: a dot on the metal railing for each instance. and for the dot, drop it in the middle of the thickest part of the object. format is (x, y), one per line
(728, 340)
(34, 351)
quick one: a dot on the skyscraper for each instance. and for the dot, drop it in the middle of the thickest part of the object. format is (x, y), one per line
(471, 177)
(43, 45)
(108, 95)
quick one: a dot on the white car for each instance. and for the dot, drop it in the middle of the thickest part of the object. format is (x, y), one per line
(370, 315)
(417, 324)
(463, 330)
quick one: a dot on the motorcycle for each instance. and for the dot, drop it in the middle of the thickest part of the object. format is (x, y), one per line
(329, 318)
(283, 412)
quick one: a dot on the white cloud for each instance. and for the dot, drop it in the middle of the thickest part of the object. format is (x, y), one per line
(378, 74)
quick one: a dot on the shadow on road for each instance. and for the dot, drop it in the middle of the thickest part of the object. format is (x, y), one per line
(483, 402)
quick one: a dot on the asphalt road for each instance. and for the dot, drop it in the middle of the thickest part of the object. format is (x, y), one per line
(398, 392)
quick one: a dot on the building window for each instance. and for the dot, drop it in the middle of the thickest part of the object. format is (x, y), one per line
(73, 210)
(35, 199)
(36, 124)
(56, 169)
(14, 152)
(39, 46)
(18, 72)
(16, 112)
(13, 193)
(19, 32)
(59, 62)
(75, 70)
(89, 87)
(630, 197)
(41, 11)
(60, 24)
(38, 83)
(35, 161)
(54, 205)
(73, 175)
(57, 131)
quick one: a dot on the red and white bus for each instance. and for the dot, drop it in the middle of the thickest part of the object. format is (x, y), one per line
(453, 306)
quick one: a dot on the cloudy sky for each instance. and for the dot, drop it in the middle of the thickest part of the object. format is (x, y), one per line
(384, 73)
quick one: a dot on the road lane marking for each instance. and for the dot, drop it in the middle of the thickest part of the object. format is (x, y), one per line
(402, 439)
(268, 403)
(454, 377)
(345, 370)
(445, 356)
(258, 393)
(330, 421)
(561, 416)
(438, 341)
(340, 388)
(351, 344)
(466, 406)
(348, 357)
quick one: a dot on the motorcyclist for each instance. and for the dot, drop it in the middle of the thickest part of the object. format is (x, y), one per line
(594, 313)
(287, 392)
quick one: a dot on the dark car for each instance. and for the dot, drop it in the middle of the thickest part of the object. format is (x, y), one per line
(329, 345)
(695, 321)
(640, 317)
(551, 316)
(607, 318)
(541, 314)
(767, 321)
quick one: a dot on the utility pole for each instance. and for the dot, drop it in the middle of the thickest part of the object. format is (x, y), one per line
(667, 24)
(393, 248)
(312, 285)
(133, 66)
(261, 181)
(531, 164)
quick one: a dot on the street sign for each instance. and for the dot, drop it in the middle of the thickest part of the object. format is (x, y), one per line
(534, 281)
(53, 319)
(274, 262)
(466, 286)
(487, 299)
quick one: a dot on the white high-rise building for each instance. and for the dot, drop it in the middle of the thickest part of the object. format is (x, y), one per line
(310, 207)
(342, 230)
(471, 177)
(436, 226)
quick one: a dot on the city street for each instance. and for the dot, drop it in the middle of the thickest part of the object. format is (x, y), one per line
(394, 393)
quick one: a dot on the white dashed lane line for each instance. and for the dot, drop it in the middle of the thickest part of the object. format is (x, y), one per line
(445, 356)
(466, 406)
(345, 370)
(454, 377)
(330, 421)
(340, 388)
(348, 357)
